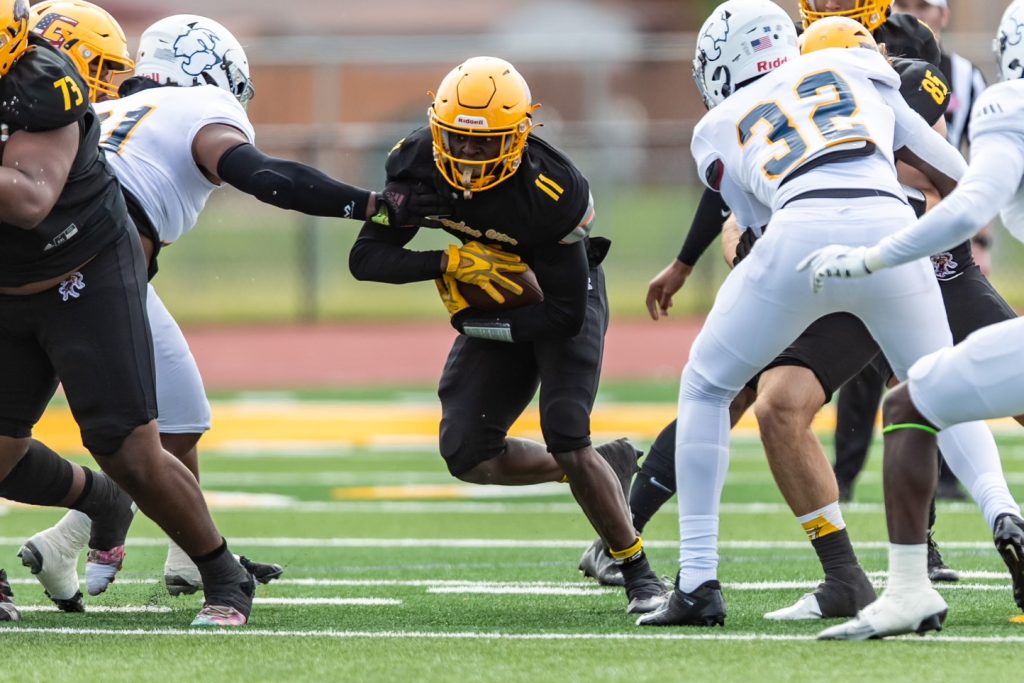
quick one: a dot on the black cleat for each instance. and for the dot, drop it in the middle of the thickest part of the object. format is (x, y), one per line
(938, 571)
(8, 612)
(1009, 539)
(263, 573)
(597, 564)
(841, 594)
(646, 594)
(703, 607)
(622, 456)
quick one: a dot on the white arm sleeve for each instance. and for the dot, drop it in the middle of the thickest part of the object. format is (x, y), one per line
(750, 213)
(993, 178)
(914, 133)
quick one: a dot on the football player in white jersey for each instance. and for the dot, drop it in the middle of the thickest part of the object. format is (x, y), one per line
(979, 378)
(177, 133)
(790, 140)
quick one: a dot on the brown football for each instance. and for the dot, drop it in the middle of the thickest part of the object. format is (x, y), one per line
(479, 299)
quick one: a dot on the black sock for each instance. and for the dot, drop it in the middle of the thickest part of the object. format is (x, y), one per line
(225, 581)
(636, 568)
(109, 508)
(646, 498)
(835, 552)
(40, 478)
(655, 483)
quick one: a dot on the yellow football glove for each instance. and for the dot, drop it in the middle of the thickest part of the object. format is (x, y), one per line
(451, 297)
(481, 265)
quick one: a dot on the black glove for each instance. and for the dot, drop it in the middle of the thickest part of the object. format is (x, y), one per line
(743, 247)
(405, 204)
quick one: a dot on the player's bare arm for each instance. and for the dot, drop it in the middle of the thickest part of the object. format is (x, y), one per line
(35, 169)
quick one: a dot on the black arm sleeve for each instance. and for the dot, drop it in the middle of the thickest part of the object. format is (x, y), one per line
(563, 273)
(290, 184)
(706, 226)
(379, 255)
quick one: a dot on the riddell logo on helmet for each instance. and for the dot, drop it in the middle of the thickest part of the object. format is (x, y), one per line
(772, 64)
(471, 121)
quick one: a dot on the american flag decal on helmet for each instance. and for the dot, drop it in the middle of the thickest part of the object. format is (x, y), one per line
(762, 43)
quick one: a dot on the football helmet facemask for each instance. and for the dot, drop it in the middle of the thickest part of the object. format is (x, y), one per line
(188, 50)
(870, 13)
(741, 40)
(13, 32)
(484, 97)
(836, 32)
(90, 37)
(1009, 43)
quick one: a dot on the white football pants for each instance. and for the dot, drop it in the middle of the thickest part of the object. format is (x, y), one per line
(180, 396)
(762, 307)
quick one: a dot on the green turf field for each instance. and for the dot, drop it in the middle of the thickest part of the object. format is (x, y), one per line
(480, 584)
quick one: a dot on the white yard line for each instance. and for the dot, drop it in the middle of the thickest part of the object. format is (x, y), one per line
(124, 609)
(472, 635)
(499, 543)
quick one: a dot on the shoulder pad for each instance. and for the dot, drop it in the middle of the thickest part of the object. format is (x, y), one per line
(924, 87)
(999, 108)
(43, 91)
(906, 36)
(412, 156)
(557, 192)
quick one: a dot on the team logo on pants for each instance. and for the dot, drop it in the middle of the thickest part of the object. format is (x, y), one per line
(71, 287)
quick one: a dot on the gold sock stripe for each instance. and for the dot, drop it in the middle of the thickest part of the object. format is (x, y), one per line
(631, 551)
(819, 527)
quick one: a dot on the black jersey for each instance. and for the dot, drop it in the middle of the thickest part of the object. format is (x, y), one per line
(535, 213)
(540, 204)
(43, 91)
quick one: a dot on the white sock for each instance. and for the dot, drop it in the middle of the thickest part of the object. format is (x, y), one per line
(970, 451)
(908, 567)
(178, 559)
(823, 521)
(702, 462)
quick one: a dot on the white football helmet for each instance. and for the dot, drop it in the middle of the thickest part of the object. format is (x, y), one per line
(742, 39)
(1009, 43)
(188, 50)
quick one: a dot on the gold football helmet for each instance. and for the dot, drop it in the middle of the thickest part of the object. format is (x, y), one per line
(835, 32)
(484, 98)
(13, 32)
(90, 37)
(870, 13)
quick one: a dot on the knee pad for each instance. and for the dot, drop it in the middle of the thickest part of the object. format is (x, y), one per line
(695, 386)
(565, 424)
(464, 447)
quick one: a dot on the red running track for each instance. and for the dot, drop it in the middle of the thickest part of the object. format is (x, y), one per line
(319, 356)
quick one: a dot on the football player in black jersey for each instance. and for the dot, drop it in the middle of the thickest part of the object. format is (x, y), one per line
(515, 200)
(801, 380)
(72, 305)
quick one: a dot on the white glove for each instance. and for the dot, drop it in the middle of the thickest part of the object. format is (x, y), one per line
(836, 261)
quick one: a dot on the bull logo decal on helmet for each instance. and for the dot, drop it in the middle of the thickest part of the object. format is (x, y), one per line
(197, 47)
(714, 37)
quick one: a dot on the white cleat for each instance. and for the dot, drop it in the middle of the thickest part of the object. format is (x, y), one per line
(893, 614)
(804, 609)
(52, 556)
(181, 576)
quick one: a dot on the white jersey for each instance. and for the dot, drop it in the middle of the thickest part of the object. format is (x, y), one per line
(819, 103)
(148, 138)
(1000, 109)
